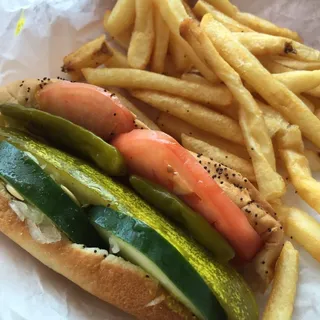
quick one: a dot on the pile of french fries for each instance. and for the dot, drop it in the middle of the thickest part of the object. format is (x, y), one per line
(229, 85)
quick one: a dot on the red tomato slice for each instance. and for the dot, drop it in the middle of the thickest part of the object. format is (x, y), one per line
(158, 157)
(88, 106)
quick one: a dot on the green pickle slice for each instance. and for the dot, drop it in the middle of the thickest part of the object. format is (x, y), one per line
(62, 132)
(91, 186)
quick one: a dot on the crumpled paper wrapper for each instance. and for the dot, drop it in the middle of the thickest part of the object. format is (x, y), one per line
(46, 32)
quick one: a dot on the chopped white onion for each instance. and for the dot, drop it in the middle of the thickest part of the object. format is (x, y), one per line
(114, 247)
(155, 301)
(25, 211)
(45, 232)
(19, 208)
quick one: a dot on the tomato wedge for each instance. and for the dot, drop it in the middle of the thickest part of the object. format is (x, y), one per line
(158, 157)
(88, 106)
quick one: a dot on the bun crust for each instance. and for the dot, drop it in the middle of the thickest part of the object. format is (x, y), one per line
(110, 278)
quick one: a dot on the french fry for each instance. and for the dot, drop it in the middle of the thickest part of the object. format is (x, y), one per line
(224, 6)
(264, 26)
(291, 149)
(313, 159)
(254, 129)
(315, 100)
(173, 12)
(121, 18)
(161, 43)
(123, 38)
(314, 92)
(273, 91)
(118, 59)
(228, 159)
(273, 119)
(281, 301)
(176, 127)
(189, 10)
(91, 54)
(264, 44)
(297, 65)
(136, 111)
(193, 113)
(299, 81)
(201, 8)
(317, 113)
(301, 227)
(273, 67)
(195, 45)
(217, 95)
(170, 68)
(142, 39)
(179, 57)
(307, 102)
(193, 77)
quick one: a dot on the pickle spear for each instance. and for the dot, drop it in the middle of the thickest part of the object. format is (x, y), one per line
(62, 132)
(92, 187)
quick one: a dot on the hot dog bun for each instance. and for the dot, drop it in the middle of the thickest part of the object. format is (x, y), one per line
(110, 278)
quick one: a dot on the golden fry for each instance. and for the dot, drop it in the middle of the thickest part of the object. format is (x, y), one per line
(264, 44)
(291, 149)
(178, 56)
(118, 59)
(193, 77)
(122, 17)
(228, 159)
(314, 92)
(282, 297)
(254, 129)
(92, 54)
(299, 81)
(272, 66)
(273, 119)
(123, 38)
(176, 127)
(202, 8)
(297, 65)
(162, 34)
(189, 10)
(317, 113)
(193, 113)
(264, 26)
(273, 91)
(307, 102)
(142, 39)
(136, 111)
(313, 159)
(224, 6)
(173, 12)
(301, 227)
(216, 95)
(170, 68)
(193, 41)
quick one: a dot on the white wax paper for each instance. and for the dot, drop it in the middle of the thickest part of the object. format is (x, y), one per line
(53, 28)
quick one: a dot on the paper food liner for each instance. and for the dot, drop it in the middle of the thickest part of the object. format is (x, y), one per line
(35, 36)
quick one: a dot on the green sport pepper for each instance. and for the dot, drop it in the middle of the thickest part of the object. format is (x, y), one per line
(173, 207)
(64, 133)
